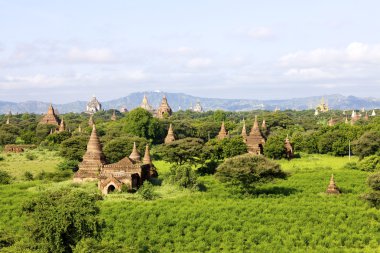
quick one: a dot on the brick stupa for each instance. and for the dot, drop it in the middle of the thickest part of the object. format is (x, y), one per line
(288, 148)
(50, 117)
(170, 136)
(244, 132)
(93, 160)
(135, 155)
(164, 108)
(255, 141)
(222, 133)
(332, 188)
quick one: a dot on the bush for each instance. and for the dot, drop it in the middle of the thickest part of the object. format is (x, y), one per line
(368, 144)
(374, 181)
(68, 165)
(183, 176)
(2, 158)
(28, 176)
(30, 156)
(60, 219)
(147, 192)
(351, 166)
(373, 198)
(5, 178)
(370, 163)
(209, 167)
(246, 171)
(54, 176)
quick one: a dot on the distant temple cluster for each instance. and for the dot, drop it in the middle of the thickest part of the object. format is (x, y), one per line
(130, 171)
(50, 118)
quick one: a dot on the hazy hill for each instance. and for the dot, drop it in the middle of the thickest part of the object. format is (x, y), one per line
(183, 101)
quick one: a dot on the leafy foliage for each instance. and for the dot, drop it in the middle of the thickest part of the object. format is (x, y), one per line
(368, 144)
(147, 192)
(247, 171)
(183, 176)
(121, 147)
(5, 178)
(370, 163)
(188, 150)
(60, 219)
(74, 148)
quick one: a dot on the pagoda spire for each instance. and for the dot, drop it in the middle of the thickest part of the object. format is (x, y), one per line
(91, 121)
(244, 131)
(147, 159)
(135, 155)
(94, 151)
(255, 127)
(222, 133)
(366, 116)
(8, 120)
(79, 129)
(264, 125)
(113, 117)
(332, 188)
(61, 126)
(170, 136)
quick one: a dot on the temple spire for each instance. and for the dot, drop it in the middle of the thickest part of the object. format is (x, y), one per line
(135, 155)
(79, 129)
(264, 125)
(147, 159)
(61, 126)
(113, 117)
(8, 120)
(332, 188)
(222, 133)
(244, 131)
(170, 136)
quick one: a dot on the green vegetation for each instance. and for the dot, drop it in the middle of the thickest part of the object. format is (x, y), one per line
(188, 208)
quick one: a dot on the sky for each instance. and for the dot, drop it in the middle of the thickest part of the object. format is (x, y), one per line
(67, 50)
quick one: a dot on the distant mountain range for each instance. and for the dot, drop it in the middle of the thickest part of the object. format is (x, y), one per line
(182, 101)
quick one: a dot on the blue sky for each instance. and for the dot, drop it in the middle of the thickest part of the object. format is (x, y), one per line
(63, 51)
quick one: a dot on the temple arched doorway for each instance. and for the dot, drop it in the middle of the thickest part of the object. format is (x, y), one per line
(111, 188)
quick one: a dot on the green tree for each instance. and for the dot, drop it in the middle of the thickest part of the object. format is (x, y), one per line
(368, 144)
(74, 147)
(274, 147)
(187, 150)
(247, 171)
(5, 178)
(183, 176)
(370, 163)
(121, 147)
(61, 218)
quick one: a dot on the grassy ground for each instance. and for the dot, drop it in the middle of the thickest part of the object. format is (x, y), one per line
(33, 161)
(293, 215)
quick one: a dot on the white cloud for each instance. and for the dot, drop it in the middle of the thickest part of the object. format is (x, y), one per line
(199, 62)
(308, 74)
(261, 33)
(354, 53)
(34, 81)
(94, 55)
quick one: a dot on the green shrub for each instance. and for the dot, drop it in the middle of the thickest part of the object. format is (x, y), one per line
(59, 219)
(351, 166)
(5, 178)
(374, 181)
(28, 176)
(2, 158)
(370, 163)
(68, 165)
(183, 176)
(247, 171)
(30, 156)
(147, 192)
(54, 176)
(373, 198)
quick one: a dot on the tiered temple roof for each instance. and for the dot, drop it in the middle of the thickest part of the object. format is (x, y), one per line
(255, 141)
(198, 107)
(164, 108)
(145, 105)
(93, 106)
(332, 188)
(93, 159)
(222, 133)
(170, 136)
(50, 117)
